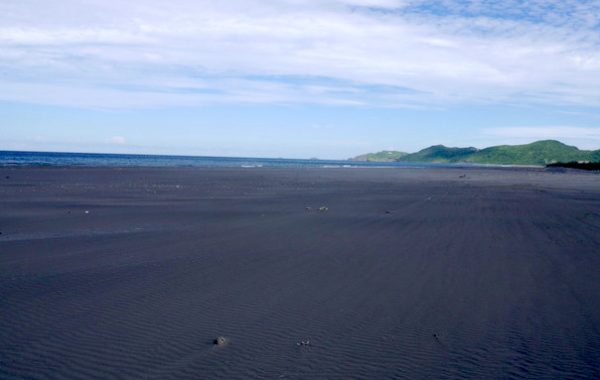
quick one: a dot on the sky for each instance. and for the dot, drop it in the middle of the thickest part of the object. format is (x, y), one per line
(296, 78)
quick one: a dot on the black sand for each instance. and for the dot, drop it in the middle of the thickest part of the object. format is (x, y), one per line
(492, 275)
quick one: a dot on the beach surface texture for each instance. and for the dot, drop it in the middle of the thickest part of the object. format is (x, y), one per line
(264, 273)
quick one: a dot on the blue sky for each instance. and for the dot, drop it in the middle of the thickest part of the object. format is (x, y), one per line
(296, 78)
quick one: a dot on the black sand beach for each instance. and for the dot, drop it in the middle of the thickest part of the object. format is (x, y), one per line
(409, 273)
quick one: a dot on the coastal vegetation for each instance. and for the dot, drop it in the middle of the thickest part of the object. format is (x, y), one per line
(595, 166)
(537, 153)
(383, 156)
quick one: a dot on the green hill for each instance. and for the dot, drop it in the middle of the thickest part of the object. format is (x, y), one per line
(440, 154)
(537, 153)
(383, 156)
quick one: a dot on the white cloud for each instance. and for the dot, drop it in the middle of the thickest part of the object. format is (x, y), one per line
(587, 138)
(546, 132)
(106, 53)
(118, 140)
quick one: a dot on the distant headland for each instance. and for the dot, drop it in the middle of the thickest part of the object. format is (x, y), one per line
(544, 152)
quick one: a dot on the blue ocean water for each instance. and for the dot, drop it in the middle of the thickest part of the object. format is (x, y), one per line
(13, 158)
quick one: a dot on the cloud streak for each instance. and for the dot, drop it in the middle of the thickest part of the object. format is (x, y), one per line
(546, 132)
(118, 140)
(389, 53)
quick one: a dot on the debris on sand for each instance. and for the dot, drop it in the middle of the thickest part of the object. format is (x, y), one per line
(303, 343)
(221, 341)
(308, 208)
(388, 211)
(463, 176)
(87, 211)
(323, 209)
(436, 337)
(7, 177)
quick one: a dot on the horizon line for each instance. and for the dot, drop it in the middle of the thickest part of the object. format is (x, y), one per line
(280, 158)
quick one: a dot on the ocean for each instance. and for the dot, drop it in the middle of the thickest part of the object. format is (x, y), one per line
(14, 158)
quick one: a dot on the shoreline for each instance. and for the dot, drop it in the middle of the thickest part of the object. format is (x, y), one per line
(41, 159)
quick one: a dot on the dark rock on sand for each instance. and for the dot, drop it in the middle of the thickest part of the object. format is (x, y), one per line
(221, 341)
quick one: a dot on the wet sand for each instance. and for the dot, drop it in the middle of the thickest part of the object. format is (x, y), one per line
(410, 273)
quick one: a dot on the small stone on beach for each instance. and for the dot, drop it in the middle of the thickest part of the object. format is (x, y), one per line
(323, 209)
(220, 341)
